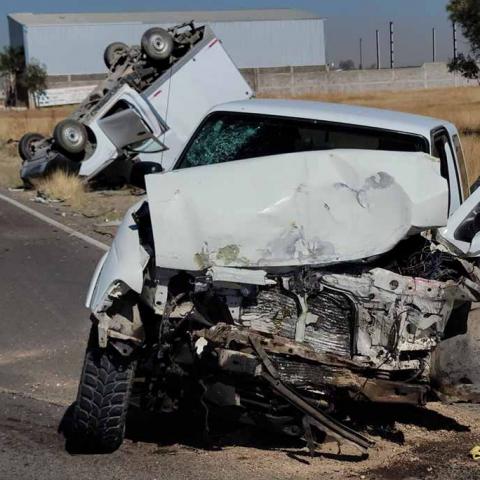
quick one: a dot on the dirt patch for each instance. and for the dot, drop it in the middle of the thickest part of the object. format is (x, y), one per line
(31, 448)
(432, 453)
(98, 214)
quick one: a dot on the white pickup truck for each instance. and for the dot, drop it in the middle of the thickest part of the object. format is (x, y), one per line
(147, 107)
(299, 256)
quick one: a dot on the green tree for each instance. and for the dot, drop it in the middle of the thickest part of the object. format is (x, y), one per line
(33, 78)
(466, 13)
(346, 65)
(20, 77)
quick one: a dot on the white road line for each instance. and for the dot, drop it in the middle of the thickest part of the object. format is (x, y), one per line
(54, 223)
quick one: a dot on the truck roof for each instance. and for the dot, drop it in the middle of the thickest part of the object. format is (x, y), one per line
(339, 113)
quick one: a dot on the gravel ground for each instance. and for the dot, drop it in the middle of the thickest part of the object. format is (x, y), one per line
(436, 445)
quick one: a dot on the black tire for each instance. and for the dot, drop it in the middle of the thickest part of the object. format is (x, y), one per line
(99, 413)
(113, 52)
(157, 44)
(26, 145)
(70, 136)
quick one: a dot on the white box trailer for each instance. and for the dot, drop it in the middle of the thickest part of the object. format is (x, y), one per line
(145, 110)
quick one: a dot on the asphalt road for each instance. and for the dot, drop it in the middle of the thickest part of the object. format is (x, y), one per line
(44, 325)
(44, 274)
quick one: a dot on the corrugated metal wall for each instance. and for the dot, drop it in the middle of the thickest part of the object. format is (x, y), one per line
(15, 32)
(78, 49)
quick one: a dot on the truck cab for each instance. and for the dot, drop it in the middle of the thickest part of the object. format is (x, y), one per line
(261, 127)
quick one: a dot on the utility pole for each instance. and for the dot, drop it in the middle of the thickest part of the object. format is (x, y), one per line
(434, 46)
(454, 28)
(361, 54)
(392, 55)
(377, 39)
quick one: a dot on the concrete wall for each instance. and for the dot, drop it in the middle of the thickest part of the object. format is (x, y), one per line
(288, 81)
(305, 81)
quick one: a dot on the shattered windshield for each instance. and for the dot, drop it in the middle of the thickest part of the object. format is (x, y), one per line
(227, 136)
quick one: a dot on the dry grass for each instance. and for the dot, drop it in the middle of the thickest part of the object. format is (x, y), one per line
(9, 166)
(64, 187)
(13, 124)
(460, 106)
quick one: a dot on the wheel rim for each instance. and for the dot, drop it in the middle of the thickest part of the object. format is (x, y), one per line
(117, 53)
(159, 44)
(73, 136)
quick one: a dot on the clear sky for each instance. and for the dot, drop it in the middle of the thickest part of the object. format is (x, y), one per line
(347, 21)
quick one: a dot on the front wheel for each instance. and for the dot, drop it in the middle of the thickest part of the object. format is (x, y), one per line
(71, 136)
(99, 414)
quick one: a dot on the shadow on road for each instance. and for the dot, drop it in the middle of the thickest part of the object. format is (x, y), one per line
(384, 420)
(188, 429)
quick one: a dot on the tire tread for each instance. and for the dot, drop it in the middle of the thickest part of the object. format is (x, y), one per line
(102, 402)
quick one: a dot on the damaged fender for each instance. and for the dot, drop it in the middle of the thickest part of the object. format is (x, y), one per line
(120, 269)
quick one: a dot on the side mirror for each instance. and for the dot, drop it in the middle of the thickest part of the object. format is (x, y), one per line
(140, 169)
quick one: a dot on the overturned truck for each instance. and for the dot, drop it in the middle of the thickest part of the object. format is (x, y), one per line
(153, 97)
(300, 257)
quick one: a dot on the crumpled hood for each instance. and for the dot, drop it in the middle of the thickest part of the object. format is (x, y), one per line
(307, 208)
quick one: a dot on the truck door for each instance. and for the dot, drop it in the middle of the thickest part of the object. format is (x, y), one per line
(463, 227)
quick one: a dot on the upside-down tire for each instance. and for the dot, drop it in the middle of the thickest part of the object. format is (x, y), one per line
(157, 44)
(26, 145)
(113, 52)
(70, 136)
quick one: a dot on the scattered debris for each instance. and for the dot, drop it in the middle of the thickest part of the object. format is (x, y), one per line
(475, 452)
(45, 199)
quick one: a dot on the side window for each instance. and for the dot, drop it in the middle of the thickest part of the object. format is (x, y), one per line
(462, 167)
(442, 149)
(220, 141)
(438, 151)
(228, 136)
